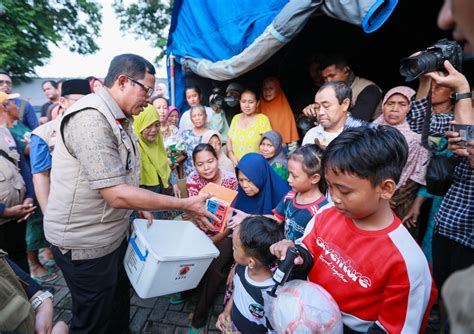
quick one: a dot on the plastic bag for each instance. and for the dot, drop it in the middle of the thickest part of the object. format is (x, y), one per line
(302, 307)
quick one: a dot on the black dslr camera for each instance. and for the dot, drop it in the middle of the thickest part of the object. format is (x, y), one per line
(219, 97)
(432, 59)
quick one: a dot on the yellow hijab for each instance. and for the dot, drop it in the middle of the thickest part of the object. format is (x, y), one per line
(154, 164)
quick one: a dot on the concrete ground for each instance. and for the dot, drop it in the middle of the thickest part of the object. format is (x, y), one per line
(153, 315)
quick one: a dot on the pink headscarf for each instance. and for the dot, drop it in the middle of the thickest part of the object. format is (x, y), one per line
(170, 110)
(415, 168)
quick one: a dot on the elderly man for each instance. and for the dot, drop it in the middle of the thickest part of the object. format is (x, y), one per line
(331, 103)
(27, 113)
(94, 186)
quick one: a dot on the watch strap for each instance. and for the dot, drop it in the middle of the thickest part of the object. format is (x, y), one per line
(455, 97)
(38, 300)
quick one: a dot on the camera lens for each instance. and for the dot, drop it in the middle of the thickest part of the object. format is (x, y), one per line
(412, 68)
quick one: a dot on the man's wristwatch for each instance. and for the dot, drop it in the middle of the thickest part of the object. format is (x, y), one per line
(455, 97)
(38, 300)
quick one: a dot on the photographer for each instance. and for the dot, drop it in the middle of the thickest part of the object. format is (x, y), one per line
(453, 246)
(219, 121)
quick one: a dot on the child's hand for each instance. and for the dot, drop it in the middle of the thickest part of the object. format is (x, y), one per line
(235, 218)
(280, 248)
(223, 322)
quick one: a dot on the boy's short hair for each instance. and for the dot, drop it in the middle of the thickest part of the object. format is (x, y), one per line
(371, 152)
(257, 234)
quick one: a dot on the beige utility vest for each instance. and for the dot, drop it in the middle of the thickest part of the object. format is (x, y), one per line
(78, 217)
(358, 86)
(48, 132)
(12, 186)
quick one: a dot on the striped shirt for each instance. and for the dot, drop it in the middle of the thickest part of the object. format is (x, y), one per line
(248, 314)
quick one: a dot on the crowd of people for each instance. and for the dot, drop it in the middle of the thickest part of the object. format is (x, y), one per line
(349, 194)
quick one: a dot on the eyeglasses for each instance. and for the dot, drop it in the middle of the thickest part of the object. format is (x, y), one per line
(148, 90)
(5, 82)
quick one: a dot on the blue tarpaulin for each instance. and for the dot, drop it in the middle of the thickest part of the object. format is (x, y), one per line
(223, 39)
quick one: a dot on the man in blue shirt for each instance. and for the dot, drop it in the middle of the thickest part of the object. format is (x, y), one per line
(42, 139)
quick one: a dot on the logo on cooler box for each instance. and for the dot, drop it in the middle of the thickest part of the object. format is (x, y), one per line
(183, 270)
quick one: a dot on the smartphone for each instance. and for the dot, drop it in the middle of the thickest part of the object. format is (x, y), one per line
(466, 132)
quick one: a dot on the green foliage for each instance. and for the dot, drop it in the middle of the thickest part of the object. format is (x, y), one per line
(148, 19)
(27, 28)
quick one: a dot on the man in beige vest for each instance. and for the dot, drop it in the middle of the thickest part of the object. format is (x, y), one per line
(94, 186)
(16, 191)
(366, 95)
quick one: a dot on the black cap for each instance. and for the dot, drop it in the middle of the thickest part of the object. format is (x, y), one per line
(75, 86)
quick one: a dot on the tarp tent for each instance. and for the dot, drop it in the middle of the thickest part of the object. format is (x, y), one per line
(222, 40)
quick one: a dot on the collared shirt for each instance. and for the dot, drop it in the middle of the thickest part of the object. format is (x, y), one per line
(439, 123)
(324, 137)
(89, 138)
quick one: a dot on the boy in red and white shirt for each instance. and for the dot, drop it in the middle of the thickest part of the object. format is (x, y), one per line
(358, 250)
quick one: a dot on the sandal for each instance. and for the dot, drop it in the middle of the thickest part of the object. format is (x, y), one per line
(177, 299)
(48, 277)
(201, 330)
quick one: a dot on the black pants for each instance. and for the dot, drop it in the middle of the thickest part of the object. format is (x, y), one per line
(215, 275)
(12, 241)
(449, 256)
(100, 291)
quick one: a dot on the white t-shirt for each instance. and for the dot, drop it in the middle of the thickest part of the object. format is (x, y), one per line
(319, 133)
(185, 120)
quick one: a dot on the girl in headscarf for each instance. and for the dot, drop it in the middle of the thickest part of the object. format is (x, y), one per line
(155, 171)
(271, 147)
(395, 105)
(260, 188)
(275, 105)
(214, 138)
(172, 140)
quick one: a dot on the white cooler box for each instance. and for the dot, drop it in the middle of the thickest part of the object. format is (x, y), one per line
(169, 256)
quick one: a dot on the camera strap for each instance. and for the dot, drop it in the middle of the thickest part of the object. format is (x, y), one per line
(425, 130)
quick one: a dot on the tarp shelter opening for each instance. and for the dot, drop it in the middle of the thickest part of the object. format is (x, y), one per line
(216, 42)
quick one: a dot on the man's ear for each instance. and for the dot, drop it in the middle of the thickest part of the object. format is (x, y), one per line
(315, 178)
(63, 102)
(346, 103)
(122, 79)
(387, 188)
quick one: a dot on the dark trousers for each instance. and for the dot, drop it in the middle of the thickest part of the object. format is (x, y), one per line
(215, 275)
(449, 256)
(13, 241)
(100, 291)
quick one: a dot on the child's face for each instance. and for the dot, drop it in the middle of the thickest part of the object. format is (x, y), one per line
(216, 143)
(298, 179)
(355, 197)
(267, 149)
(395, 109)
(239, 254)
(249, 188)
(192, 97)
